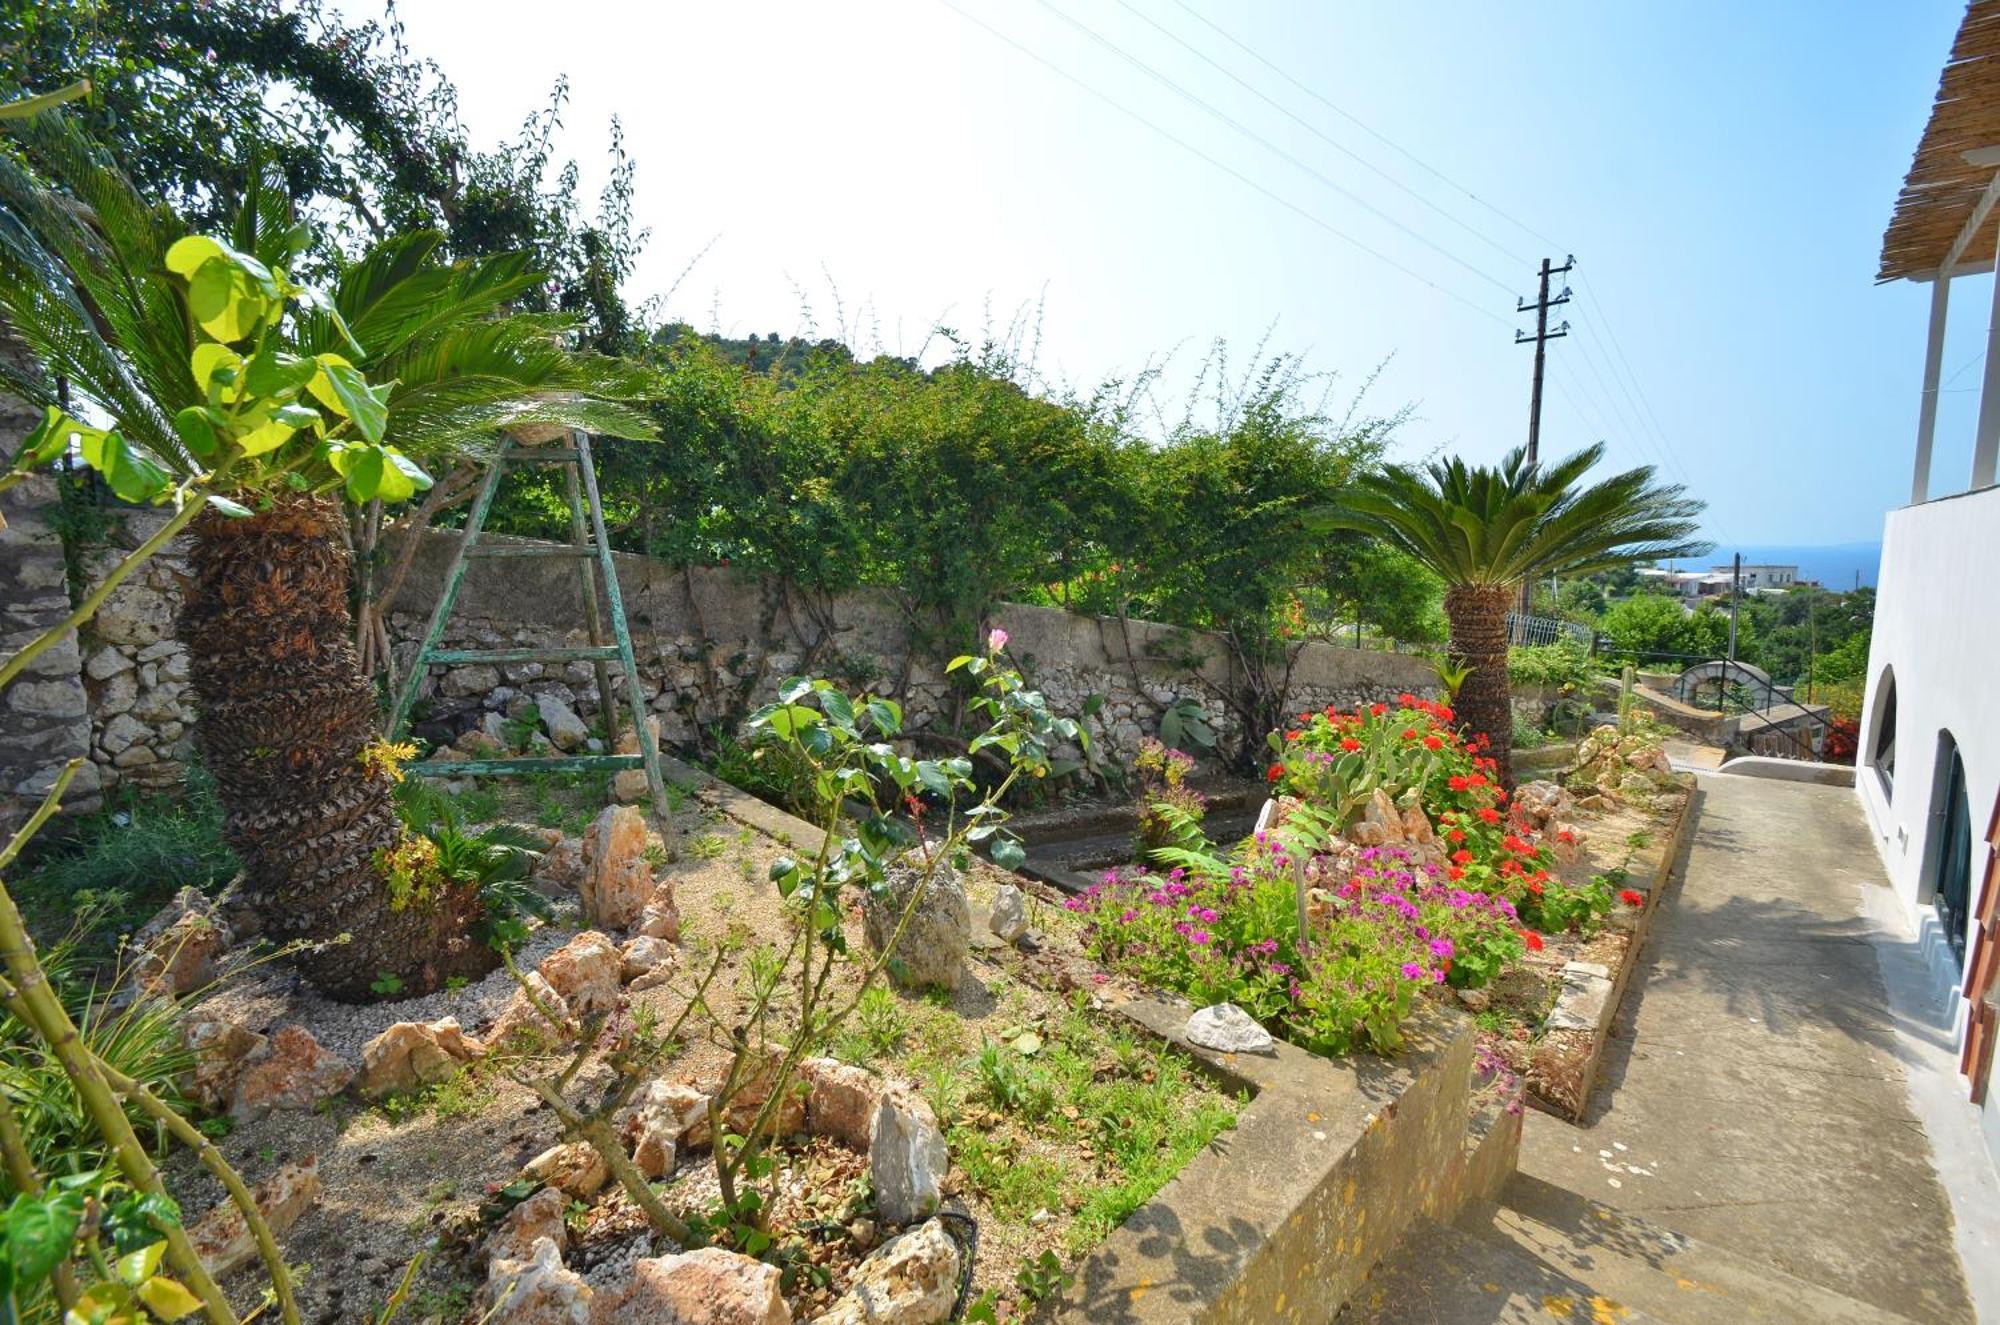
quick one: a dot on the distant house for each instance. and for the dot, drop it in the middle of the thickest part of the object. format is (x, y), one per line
(1928, 766)
(1762, 579)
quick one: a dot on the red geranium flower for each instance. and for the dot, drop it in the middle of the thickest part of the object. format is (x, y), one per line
(1632, 897)
(1489, 814)
(1349, 743)
(1378, 709)
(1476, 780)
(1275, 772)
(1406, 699)
(1454, 873)
(1458, 782)
(1293, 735)
(1434, 741)
(1409, 733)
(1566, 837)
(1444, 712)
(1462, 856)
(1532, 939)
(1513, 843)
(1535, 887)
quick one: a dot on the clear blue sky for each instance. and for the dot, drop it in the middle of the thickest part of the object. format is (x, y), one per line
(1723, 174)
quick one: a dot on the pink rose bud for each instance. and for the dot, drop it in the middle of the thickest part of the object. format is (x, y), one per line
(996, 641)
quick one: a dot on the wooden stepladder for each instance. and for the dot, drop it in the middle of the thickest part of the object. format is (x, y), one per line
(590, 548)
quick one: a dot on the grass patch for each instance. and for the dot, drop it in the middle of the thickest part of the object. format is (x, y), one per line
(461, 1095)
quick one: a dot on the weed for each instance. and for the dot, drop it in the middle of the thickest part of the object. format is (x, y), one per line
(709, 846)
(882, 1023)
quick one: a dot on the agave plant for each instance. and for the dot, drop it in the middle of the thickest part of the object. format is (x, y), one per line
(1486, 530)
(255, 404)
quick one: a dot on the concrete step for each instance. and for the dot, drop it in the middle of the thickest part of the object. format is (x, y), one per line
(1444, 1275)
(1651, 1268)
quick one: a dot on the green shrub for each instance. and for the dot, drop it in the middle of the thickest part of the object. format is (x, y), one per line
(1564, 666)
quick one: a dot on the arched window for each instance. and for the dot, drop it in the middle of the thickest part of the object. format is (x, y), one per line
(1882, 753)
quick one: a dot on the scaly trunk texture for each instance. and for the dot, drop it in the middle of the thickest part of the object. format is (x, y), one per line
(1478, 614)
(284, 717)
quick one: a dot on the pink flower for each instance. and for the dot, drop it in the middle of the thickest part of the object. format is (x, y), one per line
(996, 641)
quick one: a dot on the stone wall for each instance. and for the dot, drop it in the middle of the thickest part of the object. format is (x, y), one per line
(711, 643)
(44, 713)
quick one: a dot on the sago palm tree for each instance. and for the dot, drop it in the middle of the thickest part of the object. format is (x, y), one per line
(287, 724)
(1485, 531)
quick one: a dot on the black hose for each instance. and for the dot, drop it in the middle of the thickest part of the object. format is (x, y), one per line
(967, 1237)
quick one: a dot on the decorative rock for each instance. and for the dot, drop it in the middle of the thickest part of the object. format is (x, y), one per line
(665, 1116)
(573, 1168)
(585, 972)
(540, 1290)
(661, 918)
(912, 1280)
(410, 1054)
(561, 866)
(1475, 1000)
(1010, 913)
(1542, 801)
(220, 1048)
(522, 1025)
(907, 1159)
(538, 1217)
(617, 881)
(841, 1101)
(629, 786)
(1380, 823)
(931, 953)
(291, 1071)
(1228, 1029)
(223, 1240)
(757, 1084)
(477, 679)
(706, 1287)
(642, 956)
(178, 947)
(568, 731)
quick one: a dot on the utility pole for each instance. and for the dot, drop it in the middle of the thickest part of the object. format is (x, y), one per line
(1541, 338)
(1735, 597)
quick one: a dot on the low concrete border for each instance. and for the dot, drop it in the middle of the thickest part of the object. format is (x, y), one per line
(1790, 770)
(787, 829)
(1648, 871)
(1283, 1217)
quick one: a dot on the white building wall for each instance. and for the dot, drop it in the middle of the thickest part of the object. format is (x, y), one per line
(1937, 629)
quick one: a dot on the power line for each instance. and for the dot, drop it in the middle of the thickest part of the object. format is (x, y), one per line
(1365, 127)
(1269, 146)
(1224, 167)
(1316, 131)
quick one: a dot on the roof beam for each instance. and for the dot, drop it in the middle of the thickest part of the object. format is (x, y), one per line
(1983, 156)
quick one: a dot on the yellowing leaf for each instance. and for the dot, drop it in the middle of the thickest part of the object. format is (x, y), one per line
(210, 357)
(187, 255)
(167, 1299)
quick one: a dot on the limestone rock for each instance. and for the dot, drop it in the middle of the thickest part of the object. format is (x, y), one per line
(1380, 824)
(585, 972)
(617, 880)
(931, 952)
(290, 1071)
(642, 956)
(628, 738)
(629, 786)
(907, 1159)
(410, 1054)
(538, 1217)
(759, 1079)
(1009, 919)
(567, 730)
(220, 1048)
(664, 1116)
(523, 1026)
(573, 1168)
(661, 918)
(561, 866)
(540, 1290)
(178, 947)
(1542, 801)
(705, 1287)
(840, 1101)
(912, 1280)
(1228, 1029)
(223, 1240)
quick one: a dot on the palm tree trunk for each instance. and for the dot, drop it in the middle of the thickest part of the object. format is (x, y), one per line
(1478, 614)
(285, 715)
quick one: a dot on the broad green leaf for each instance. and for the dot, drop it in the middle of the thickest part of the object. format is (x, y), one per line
(211, 360)
(50, 439)
(1008, 853)
(137, 1267)
(362, 467)
(129, 473)
(189, 254)
(266, 437)
(197, 432)
(341, 388)
(838, 707)
(793, 688)
(39, 1233)
(276, 373)
(793, 718)
(224, 301)
(420, 481)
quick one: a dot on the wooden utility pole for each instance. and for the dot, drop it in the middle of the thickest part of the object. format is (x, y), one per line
(1541, 338)
(1735, 599)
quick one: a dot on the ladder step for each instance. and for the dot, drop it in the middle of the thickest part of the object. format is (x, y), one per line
(528, 550)
(500, 767)
(530, 454)
(576, 653)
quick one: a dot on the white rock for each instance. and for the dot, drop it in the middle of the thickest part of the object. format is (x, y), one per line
(538, 1291)
(912, 1280)
(907, 1159)
(1010, 913)
(564, 727)
(1228, 1029)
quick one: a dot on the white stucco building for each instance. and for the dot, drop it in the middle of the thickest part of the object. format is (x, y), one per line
(1928, 767)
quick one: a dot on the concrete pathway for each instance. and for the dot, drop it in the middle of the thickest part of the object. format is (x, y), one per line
(1753, 1098)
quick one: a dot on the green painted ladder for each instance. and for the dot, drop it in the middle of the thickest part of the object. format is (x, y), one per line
(591, 550)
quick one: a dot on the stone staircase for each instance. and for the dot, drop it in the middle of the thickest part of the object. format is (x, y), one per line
(1545, 1254)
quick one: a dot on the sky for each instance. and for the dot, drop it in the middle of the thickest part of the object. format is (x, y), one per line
(1370, 186)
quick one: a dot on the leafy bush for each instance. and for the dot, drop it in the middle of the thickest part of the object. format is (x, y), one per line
(1562, 666)
(1168, 808)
